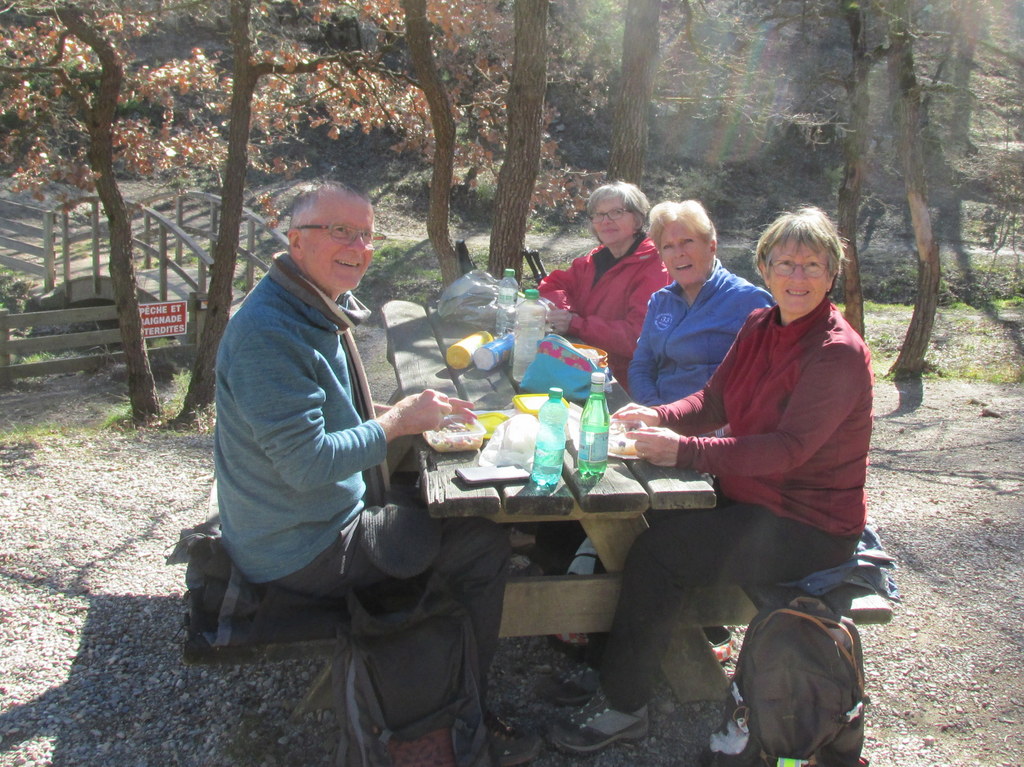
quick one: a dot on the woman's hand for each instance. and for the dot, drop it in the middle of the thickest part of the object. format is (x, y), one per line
(634, 412)
(657, 446)
(559, 320)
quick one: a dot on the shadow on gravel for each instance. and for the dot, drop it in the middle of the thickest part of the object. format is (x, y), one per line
(130, 700)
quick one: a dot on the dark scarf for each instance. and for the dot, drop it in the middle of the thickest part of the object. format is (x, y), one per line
(345, 314)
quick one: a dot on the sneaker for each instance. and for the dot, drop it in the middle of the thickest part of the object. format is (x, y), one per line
(722, 642)
(508, 745)
(572, 689)
(597, 725)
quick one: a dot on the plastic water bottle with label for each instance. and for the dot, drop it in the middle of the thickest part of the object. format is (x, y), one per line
(508, 292)
(550, 450)
(531, 325)
(592, 460)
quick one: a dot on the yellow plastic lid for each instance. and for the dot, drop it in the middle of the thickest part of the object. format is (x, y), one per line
(531, 403)
(491, 421)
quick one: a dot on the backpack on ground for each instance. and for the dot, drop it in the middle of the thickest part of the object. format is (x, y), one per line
(797, 696)
(405, 685)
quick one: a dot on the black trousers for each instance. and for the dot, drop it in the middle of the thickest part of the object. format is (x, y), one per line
(735, 544)
(474, 557)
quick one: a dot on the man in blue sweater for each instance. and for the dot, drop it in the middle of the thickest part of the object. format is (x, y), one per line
(300, 447)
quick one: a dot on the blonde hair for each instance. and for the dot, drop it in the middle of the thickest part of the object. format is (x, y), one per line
(690, 212)
(809, 227)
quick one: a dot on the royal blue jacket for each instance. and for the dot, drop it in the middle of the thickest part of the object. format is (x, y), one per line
(681, 345)
(290, 445)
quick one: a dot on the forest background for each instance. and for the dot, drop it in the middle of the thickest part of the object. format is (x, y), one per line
(900, 117)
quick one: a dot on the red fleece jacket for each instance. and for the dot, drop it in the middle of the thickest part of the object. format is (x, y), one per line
(798, 399)
(610, 313)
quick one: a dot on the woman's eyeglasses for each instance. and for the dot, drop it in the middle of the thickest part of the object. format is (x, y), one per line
(811, 269)
(611, 215)
(347, 235)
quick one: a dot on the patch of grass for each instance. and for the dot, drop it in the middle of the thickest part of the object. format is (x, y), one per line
(402, 269)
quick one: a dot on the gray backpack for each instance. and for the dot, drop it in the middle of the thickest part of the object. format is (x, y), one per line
(405, 686)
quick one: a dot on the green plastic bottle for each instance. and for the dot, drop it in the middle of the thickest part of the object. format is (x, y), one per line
(592, 460)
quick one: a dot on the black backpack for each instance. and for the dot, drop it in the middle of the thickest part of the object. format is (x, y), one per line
(798, 692)
(405, 685)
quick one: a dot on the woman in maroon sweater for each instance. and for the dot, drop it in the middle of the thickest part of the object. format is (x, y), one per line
(796, 390)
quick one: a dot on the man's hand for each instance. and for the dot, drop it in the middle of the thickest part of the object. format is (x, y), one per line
(634, 412)
(560, 319)
(418, 413)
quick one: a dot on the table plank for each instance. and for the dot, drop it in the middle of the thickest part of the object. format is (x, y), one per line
(413, 350)
(488, 391)
(672, 488)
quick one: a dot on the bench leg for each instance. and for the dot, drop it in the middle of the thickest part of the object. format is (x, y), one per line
(691, 668)
(318, 696)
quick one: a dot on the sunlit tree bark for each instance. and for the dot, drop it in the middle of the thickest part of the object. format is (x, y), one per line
(99, 113)
(636, 87)
(525, 106)
(906, 106)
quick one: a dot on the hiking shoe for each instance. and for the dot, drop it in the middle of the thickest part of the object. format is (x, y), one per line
(508, 745)
(597, 725)
(572, 689)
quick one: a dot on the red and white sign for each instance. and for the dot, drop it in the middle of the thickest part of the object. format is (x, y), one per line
(167, 318)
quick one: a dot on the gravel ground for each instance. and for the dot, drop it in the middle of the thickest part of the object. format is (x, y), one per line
(90, 669)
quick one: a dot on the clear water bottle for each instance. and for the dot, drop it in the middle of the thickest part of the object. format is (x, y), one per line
(508, 291)
(550, 451)
(531, 324)
(592, 459)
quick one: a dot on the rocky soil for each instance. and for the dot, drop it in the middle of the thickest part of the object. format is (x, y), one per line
(90, 667)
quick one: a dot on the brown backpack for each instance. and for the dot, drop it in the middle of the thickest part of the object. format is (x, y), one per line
(797, 694)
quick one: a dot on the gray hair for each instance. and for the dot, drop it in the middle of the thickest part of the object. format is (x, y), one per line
(809, 227)
(309, 194)
(633, 200)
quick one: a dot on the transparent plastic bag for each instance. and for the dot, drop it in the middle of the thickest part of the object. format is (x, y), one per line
(471, 299)
(512, 444)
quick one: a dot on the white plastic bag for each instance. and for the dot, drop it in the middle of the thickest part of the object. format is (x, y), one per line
(512, 444)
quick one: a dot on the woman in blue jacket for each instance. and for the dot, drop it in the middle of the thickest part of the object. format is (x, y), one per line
(691, 323)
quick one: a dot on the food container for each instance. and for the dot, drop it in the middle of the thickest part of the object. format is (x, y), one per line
(530, 403)
(456, 433)
(491, 421)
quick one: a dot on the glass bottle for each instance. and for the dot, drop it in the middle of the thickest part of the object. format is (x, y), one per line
(592, 460)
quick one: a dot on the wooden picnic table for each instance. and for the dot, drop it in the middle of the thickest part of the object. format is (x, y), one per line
(611, 510)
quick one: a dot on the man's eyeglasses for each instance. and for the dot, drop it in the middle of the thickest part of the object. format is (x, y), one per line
(611, 215)
(347, 235)
(811, 270)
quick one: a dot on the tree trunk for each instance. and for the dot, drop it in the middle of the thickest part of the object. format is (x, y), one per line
(99, 119)
(636, 87)
(417, 33)
(854, 148)
(202, 387)
(522, 154)
(907, 104)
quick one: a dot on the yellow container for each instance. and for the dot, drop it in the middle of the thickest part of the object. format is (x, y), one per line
(460, 354)
(530, 403)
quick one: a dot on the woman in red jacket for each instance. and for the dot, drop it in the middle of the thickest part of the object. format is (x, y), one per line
(796, 389)
(601, 299)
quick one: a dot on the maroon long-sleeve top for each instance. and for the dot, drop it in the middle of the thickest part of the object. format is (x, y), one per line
(798, 401)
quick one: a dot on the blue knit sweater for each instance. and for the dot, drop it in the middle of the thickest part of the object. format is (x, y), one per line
(289, 446)
(681, 345)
